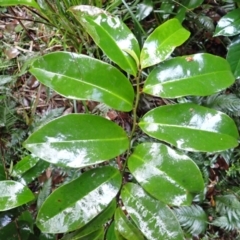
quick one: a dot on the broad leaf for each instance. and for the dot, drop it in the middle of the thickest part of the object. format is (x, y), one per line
(144, 9)
(166, 174)
(75, 204)
(153, 218)
(13, 194)
(78, 140)
(198, 75)
(110, 34)
(233, 56)
(192, 218)
(24, 165)
(161, 42)
(33, 172)
(16, 230)
(125, 227)
(96, 235)
(166, 9)
(93, 225)
(30, 3)
(77, 76)
(113, 234)
(229, 25)
(190, 4)
(191, 127)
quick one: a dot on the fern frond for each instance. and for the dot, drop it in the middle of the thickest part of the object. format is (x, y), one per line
(192, 218)
(228, 205)
(225, 223)
(229, 104)
(206, 22)
(48, 116)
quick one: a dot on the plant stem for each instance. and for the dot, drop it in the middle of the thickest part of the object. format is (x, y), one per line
(136, 104)
(135, 118)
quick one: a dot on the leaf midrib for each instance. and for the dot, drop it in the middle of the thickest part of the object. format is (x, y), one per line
(87, 83)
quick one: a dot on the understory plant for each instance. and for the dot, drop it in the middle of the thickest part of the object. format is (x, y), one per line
(127, 188)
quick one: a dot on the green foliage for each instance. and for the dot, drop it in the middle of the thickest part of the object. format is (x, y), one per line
(229, 103)
(228, 207)
(162, 175)
(192, 218)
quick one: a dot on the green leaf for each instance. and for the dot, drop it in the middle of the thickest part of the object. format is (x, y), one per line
(161, 42)
(46, 236)
(30, 3)
(153, 218)
(191, 4)
(225, 223)
(229, 25)
(96, 235)
(13, 194)
(110, 34)
(192, 218)
(191, 127)
(197, 75)
(27, 217)
(125, 227)
(166, 9)
(77, 76)
(44, 192)
(93, 225)
(24, 165)
(233, 56)
(2, 172)
(75, 204)
(78, 140)
(228, 205)
(33, 172)
(164, 173)
(113, 234)
(144, 9)
(15, 230)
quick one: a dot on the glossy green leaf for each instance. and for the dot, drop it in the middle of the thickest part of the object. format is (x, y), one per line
(33, 172)
(13, 194)
(24, 165)
(166, 9)
(229, 25)
(191, 127)
(233, 56)
(190, 4)
(162, 41)
(166, 174)
(78, 140)
(153, 218)
(110, 34)
(78, 76)
(199, 75)
(27, 217)
(46, 236)
(75, 204)
(15, 230)
(113, 234)
(144, 9)
(125, 227)
(30, 3)
(96, 235)
(93, 225)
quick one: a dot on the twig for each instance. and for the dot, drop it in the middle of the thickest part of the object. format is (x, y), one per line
(29, 35)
